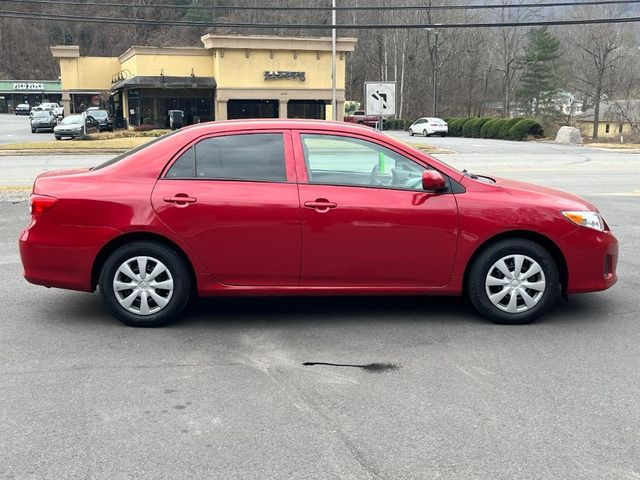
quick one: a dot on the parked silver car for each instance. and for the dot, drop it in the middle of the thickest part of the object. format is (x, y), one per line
(75, 126)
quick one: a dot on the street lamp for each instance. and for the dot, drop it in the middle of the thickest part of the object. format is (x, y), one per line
(434, 64)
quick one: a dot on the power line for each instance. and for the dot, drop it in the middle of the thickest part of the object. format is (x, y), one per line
(574, 3)
(178, 23)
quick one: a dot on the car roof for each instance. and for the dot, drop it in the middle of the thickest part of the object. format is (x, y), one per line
(295, 124)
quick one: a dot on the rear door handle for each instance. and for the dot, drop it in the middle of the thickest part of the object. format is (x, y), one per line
(321, 205)
(180, 199)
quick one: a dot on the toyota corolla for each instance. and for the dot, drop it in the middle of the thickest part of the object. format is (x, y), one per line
(295, 207)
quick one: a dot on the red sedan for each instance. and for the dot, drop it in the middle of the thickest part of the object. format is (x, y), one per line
(306, 208)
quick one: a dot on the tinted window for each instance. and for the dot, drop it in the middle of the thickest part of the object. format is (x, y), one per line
(241, 157)
(183, 167)
(338, 160)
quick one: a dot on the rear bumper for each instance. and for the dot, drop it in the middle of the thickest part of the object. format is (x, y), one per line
(61, 255)
(592, 258)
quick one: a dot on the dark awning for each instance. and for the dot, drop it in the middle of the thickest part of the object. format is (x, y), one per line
(164, 81)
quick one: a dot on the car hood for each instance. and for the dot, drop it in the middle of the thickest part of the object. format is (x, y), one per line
(543, 195)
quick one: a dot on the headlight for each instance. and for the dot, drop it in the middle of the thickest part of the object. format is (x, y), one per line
(586, 219)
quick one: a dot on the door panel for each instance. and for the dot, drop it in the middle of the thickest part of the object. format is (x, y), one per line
(234, 200)
(247, 233)
(366, 220)
(377, 237)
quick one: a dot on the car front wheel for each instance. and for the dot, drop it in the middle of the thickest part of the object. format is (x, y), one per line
(514, 281)
(145, 284)
(410, 133)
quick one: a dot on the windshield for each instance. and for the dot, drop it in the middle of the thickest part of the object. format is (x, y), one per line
(132, 151)
(41, 114)
(97, 113)
(72, 120)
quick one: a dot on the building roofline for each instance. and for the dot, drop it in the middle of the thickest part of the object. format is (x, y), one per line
(178, 51)
(65, 51)
(272, 42)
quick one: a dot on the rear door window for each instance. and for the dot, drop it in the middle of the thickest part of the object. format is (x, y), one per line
(252, 157)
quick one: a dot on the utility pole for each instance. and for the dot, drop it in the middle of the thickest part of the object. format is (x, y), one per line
(434, 65)
(435, 77)
(334, 103)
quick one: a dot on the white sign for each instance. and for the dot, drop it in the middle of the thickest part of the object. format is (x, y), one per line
(380, 98)
(27, 86)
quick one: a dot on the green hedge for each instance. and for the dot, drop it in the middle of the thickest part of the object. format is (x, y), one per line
(524, 129)
(396, 124)
(484, 127)
(455, 127)
(500, 128)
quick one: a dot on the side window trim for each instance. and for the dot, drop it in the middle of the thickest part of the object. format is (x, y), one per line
(300, 150)
(288, 156)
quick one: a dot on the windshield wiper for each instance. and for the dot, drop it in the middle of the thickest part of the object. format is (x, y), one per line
(469, 174)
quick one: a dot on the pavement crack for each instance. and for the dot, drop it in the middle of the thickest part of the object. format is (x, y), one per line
(369, 367)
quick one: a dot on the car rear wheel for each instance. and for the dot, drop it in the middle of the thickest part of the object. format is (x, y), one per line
(425, 133)
(145, 284)
(513, 282)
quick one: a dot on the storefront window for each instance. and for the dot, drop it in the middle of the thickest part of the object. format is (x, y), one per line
(238, 109)
(306, 109)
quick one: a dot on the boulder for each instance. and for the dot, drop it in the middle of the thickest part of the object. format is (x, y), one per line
(569, 136)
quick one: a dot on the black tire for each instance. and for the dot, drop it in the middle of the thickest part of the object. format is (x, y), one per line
(443, 134)
(425, 133)
(481, 269)
(410, 133)
(33, 130)
(175, 264)
(58, 138)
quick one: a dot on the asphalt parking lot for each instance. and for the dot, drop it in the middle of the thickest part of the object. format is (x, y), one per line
(17, 129)
(224, 394)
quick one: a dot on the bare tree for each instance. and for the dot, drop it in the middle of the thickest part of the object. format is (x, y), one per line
(599, 54)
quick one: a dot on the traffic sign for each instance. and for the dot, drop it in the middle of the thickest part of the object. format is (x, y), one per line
(380, 98)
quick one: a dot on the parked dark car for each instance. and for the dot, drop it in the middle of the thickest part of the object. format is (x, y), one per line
(105, 121)
(72, 126)
(23, 109)
(43, 120)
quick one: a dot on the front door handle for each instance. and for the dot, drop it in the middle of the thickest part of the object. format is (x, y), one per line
(180, 199)
(321, 205)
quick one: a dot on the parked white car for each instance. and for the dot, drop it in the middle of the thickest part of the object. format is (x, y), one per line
(429, 126)
(54, 107)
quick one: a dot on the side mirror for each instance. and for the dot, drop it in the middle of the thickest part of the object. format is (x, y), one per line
(433, 181)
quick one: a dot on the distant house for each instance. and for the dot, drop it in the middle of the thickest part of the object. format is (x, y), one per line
(617, 117)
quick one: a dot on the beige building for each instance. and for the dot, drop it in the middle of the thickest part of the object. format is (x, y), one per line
(230, 77)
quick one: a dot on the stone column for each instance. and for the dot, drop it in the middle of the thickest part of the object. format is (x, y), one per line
(221, 109)
(282, 108)
(66, 102)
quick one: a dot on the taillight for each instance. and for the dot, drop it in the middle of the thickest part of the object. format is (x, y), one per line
(41, 204)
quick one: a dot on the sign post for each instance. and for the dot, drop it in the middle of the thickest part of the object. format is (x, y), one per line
(380, 99)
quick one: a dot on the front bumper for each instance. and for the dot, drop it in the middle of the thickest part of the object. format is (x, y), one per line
(592, 258)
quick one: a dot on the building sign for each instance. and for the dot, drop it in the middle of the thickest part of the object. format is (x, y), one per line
(27, 86)
(276, 75)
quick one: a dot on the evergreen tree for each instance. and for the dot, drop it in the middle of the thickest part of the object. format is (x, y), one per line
(540, 80)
